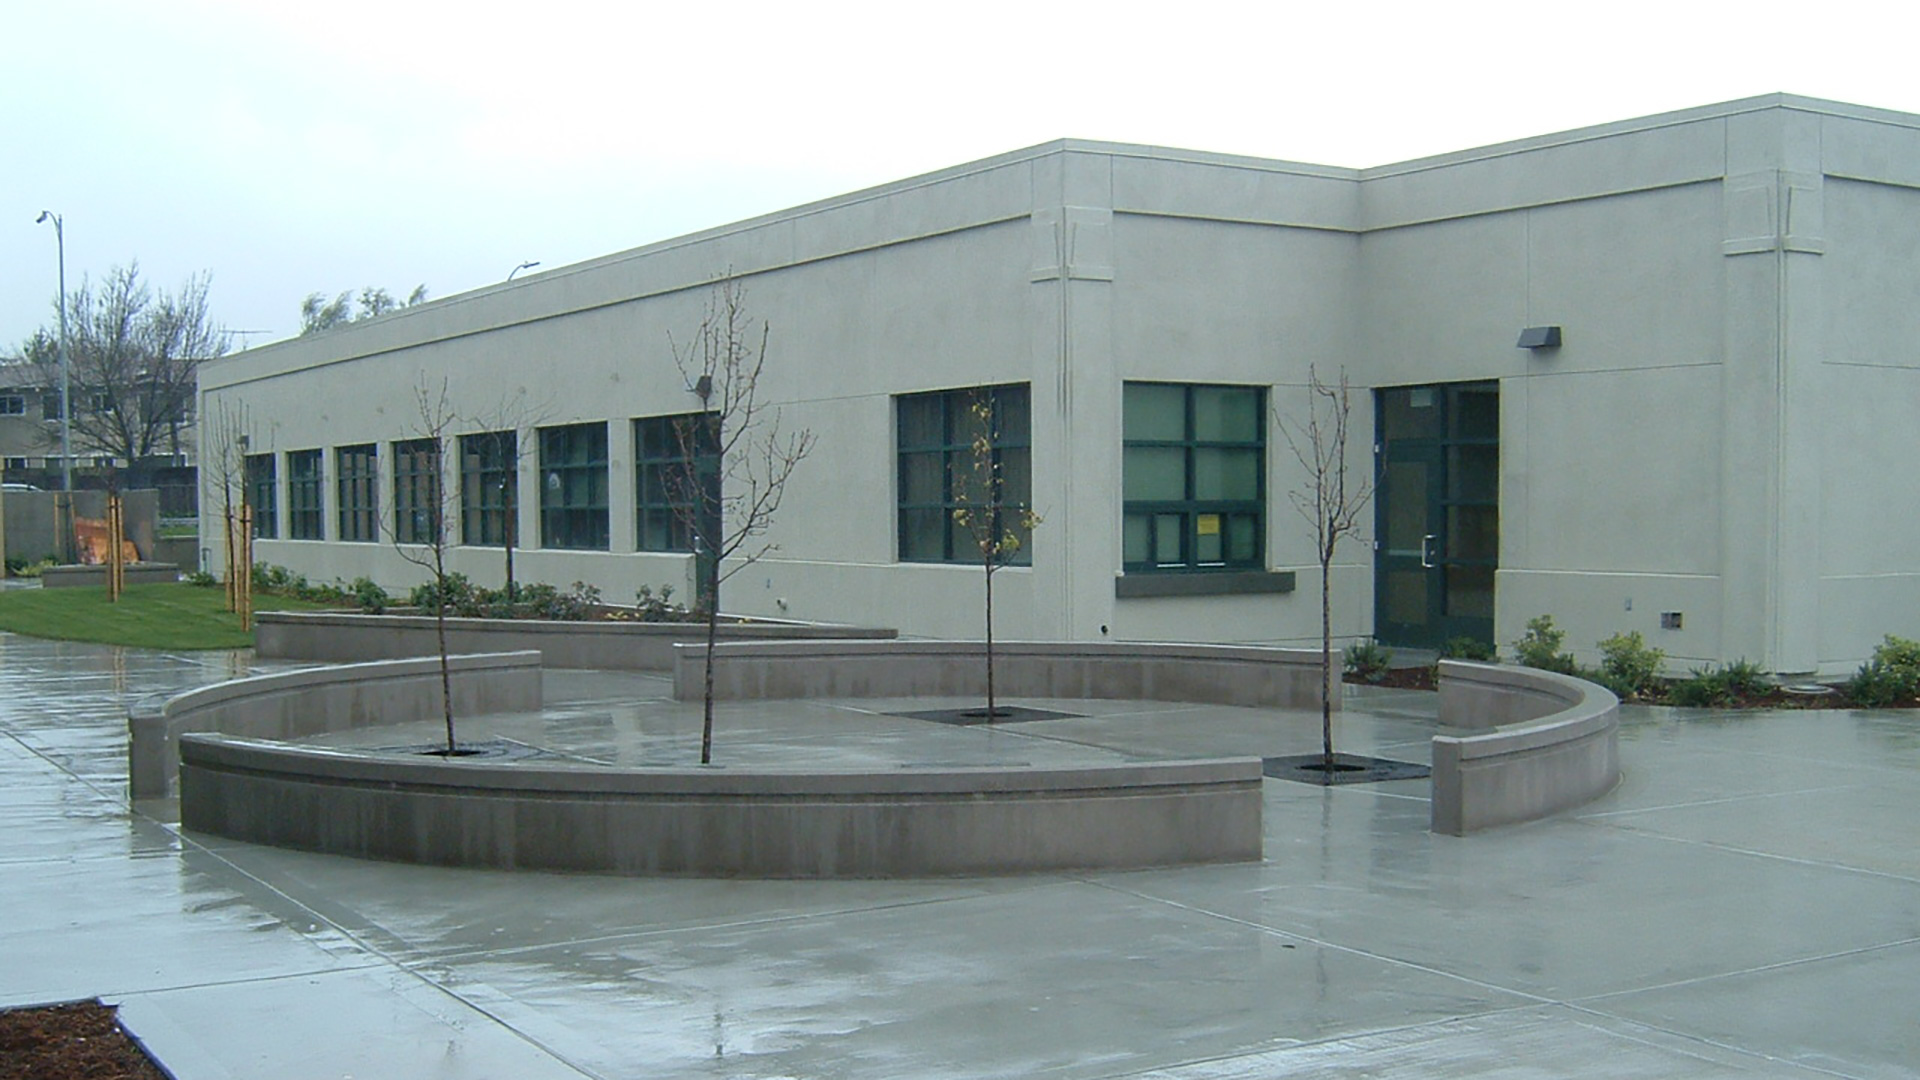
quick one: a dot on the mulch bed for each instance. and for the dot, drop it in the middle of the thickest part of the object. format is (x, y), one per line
(1421, 678)
(78, 1041)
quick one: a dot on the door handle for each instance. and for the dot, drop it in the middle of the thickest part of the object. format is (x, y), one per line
(1426, 550)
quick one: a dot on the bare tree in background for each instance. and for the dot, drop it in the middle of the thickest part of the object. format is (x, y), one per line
(1333, 504)
(319, 314)
(996, 526)
(740, 459)
(134, 354)
(224, 441)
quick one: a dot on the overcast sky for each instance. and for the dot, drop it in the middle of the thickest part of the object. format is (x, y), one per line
(287, 149)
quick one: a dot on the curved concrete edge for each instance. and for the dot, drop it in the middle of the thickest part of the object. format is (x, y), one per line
(722, 822)
(293, 704)
(1242, 675)
(347, 637)
(1545, 743)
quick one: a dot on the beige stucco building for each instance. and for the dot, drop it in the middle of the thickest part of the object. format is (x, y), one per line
(1715, 453)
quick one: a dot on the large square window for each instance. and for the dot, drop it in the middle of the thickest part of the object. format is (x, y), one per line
(416, 492)
(357, 491)
(261, 492)
(489, 489)
(305, 498)
(573, 487)
(940, 470)
(676, 477)
(1193, 477)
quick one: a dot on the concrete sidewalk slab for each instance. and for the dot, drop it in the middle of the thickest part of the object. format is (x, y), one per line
(1747, 902)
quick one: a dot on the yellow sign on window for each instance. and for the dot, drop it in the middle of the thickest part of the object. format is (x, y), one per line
(1209, 524)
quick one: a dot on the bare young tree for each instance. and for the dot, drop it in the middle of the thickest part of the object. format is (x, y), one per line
(1333, 505)
(224, 441)
(996, 526)
(505, 441)
(423, 502)
(741, 460)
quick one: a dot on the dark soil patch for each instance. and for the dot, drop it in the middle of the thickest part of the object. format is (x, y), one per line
(976, 715)
(78, 1041)
(1406, 678)
(1347, 769)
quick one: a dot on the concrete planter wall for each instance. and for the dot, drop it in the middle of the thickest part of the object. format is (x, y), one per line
(1542, 743)
(295, 704)
(722, 823)
(63, 577)
(606, 646)
(1212, 674)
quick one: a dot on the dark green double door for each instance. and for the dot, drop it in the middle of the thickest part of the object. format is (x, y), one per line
(1437, 513)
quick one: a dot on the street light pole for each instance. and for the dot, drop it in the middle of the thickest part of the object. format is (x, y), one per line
(522, 266)
(66, 366)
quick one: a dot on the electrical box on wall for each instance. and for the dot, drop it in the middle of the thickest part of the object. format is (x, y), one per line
(1670, 620)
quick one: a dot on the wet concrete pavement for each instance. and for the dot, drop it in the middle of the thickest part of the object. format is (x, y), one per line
(1746, 903)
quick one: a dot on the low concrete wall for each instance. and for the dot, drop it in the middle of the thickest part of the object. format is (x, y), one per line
(722, 823)
(294, 704)
(603, 646)
(1543, 743)
(63, 577)
(1212, 674)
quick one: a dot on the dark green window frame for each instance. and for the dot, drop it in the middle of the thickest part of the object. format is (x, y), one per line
(934, 435)
(676, 477)
(417, 506)
(573, 487)
(261, 496)
(357, 491)
(489, 489)
(306, 501)
(1193, 477)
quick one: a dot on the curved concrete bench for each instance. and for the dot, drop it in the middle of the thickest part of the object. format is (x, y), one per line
(343, 637)
(721, 822)
(294, 704)
(1210, 674)
(1544, 743)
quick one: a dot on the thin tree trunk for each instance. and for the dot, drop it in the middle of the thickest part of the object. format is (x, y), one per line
(1326, 660)
(440, 631)
(713, 633)
(992, 711)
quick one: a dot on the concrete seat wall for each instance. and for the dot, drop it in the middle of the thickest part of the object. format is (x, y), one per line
(722, 823)
(1208, 674)
(1538, 743)
(296, 704)
(342, 637)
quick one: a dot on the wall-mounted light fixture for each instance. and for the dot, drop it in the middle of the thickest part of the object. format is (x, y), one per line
(1540, 337)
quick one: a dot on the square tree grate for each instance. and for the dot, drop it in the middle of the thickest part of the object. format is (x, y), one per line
(1347, 769)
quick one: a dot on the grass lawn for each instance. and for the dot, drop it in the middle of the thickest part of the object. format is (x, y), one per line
(176, 616)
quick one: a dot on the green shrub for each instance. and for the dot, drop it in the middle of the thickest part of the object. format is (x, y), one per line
(1703, 688)
(451, 594)
(202, 579)
(1628, 667)
(1367, 661)
(1745, 678)
(1539, 647)
(372, 599)
(1467, 648)
(650, 608)
(1878, 684)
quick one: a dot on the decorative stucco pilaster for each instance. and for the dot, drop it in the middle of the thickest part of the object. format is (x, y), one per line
(1770, 487)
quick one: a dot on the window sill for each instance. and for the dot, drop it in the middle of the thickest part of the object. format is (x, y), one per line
(1215, 583)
